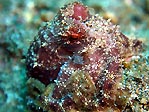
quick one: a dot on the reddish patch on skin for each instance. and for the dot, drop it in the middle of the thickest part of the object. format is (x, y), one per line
(73, 32)
(114, 67)
(77, 30)
(56, 93)
(108, 85)
(69, 103)
(80, 11)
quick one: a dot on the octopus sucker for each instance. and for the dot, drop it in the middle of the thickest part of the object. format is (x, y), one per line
(79, 58)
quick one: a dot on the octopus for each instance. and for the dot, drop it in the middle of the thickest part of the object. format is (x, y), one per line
(75, 63)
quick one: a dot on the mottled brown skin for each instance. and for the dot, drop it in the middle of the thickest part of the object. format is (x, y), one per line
(81, 55)
(49, 69)
(57, 50)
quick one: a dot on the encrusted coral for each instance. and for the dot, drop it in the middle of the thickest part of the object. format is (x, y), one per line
(76, 63)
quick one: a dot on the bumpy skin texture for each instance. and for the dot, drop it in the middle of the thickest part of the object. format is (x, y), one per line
(81, 55)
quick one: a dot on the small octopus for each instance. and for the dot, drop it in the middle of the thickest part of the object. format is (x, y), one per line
(78, 59)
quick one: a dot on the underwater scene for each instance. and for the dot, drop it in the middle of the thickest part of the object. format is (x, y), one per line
(74, 56)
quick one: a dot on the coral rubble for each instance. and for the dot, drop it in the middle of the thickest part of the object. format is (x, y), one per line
(76, 63)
